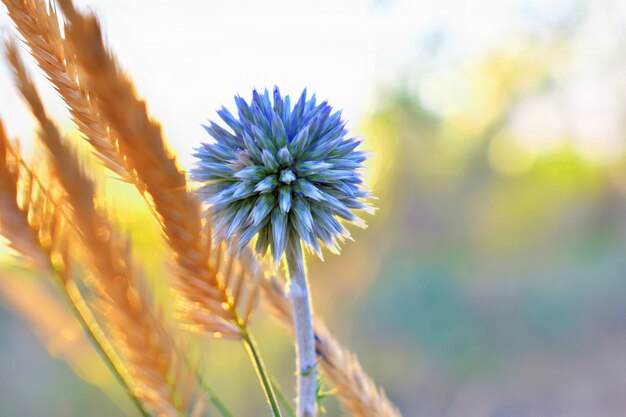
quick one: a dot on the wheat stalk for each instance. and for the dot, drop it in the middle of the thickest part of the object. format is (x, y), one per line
(143, 144)
(143, 342)
(30, 220)
(204, 290)
(38, 25)
(356, 390)
(44, 220)
(157, 177)
(13, 222)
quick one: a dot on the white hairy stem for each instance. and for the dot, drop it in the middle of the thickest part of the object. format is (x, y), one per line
(306, 365)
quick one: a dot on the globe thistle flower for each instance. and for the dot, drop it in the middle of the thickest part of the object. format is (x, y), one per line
(285, 174)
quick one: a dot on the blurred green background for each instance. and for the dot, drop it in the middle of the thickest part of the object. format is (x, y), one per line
(491, 281)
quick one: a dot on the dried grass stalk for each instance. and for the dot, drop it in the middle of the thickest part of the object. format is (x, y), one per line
(14, 224)
(45, 217)
(123, 303)
(356, 390)
(30, 214)
(37, 22)
(45, 220)
(30, 220)
(208, 301)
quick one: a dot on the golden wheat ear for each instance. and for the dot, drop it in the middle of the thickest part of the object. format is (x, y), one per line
(40, 218)
(123, 302)
(42, 210)
(206, 300)
(240, 277)
(14, 224)
(34, 223)
(356, 390)
(30, 219)
(37, 22)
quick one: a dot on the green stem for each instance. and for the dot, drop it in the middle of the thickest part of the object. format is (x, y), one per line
(281, 397)
(221, 407)
(98, 339)
(259, 366)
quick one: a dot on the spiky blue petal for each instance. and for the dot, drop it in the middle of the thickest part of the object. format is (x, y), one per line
(287, 176)
(283, 174)
(284, 198)
(267, 184)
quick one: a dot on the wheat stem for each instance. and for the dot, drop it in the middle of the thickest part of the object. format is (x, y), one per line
(98, 339)
(261, 370)
(303, 326)
(217, 402)
(282, 398)
(221, 407)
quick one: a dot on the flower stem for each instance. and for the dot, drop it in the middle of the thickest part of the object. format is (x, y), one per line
(259, 366)
(306, 365)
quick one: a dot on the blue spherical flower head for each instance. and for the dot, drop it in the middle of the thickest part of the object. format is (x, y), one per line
(284, 174)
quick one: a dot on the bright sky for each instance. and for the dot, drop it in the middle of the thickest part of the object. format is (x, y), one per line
(190, 58)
